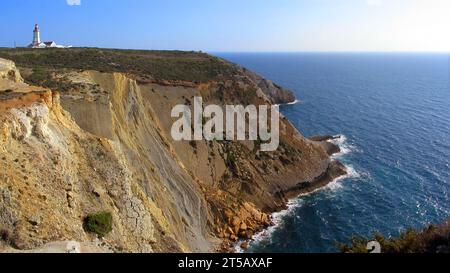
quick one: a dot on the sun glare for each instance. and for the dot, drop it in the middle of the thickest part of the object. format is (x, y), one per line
(424, 26)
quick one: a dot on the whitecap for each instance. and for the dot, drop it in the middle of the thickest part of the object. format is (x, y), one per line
(293, 204)
(289, 103)
(336, 184)
(293, 103)
(341, 141)
(277, 219)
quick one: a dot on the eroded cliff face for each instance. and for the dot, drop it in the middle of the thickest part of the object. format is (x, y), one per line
(54, 174)
(106, 146)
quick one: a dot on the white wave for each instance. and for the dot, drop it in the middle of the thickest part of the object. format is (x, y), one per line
(337, 183)
(277, 219)
(290, 103)
(346, 148)
(293, 204)
(293, 103)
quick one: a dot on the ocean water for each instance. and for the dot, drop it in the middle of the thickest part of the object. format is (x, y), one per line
(393, 113)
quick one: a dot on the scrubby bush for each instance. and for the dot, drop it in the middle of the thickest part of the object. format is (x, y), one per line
(99, 223)
(231, 163)
(7, 237)
(430, 240)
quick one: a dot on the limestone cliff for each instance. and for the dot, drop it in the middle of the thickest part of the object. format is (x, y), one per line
(100, 141)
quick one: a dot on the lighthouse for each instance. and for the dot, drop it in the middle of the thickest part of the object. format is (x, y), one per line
(37, 40)
(36, 36)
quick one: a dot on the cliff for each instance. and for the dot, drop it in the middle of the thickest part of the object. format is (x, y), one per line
(89, 132)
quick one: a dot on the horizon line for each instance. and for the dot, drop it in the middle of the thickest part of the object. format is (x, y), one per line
(257, 51)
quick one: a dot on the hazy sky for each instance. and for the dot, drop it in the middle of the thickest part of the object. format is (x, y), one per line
(233, 25)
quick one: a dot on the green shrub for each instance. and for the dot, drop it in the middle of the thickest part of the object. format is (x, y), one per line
(430, 240)
(231, 163)
(99, 223)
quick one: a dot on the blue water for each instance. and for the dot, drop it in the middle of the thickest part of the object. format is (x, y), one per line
(394, 111)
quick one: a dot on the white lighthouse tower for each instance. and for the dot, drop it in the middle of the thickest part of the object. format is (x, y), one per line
(36, 36)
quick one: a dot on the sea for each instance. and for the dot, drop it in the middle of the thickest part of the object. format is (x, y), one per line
(391, 112)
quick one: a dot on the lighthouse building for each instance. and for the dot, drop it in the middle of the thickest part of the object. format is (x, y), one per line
(37, 40)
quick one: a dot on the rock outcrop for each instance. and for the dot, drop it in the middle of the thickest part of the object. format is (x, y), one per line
(275, 93)
(9, 71)
(104, 144)
(325, 141)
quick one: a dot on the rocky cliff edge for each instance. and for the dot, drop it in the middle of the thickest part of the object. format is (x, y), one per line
(104, 144)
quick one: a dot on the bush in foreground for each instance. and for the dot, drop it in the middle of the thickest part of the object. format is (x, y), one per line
(99, 223)
(433, 239)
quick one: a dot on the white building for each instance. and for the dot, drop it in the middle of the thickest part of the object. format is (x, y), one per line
(37, 40)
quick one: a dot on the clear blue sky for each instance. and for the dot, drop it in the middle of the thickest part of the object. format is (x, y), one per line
(233, 25)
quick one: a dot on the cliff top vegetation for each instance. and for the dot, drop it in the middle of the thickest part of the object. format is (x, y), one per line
(144, 64)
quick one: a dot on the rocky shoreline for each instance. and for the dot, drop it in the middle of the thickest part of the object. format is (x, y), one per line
(335, 170)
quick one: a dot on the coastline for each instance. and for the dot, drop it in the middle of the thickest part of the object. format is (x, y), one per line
(241, 209)
(336, 171)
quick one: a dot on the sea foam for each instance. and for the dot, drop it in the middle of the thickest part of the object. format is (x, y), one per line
(293, 204)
